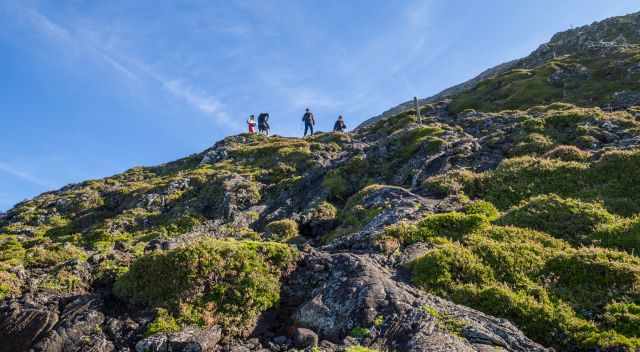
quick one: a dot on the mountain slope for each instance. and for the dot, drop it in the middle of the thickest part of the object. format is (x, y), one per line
(594, 65)
(481, 229)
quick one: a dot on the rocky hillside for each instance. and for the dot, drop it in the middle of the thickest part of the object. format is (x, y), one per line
(595, 65)
(481, 229)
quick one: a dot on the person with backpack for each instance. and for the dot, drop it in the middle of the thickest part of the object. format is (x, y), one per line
(309, 122)
(339, 126)
(263, 123)
(251, 123)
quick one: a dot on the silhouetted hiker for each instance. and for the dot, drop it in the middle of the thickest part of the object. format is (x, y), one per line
(263, 123)
(251, 122)
(339, 126)
(309, 121)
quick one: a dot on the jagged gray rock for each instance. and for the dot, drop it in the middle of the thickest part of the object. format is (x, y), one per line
(344, 291)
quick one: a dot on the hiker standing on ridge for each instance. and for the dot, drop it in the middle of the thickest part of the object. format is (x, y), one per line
(251, 123)
(309, 121)
(339, 126)
(263, 123)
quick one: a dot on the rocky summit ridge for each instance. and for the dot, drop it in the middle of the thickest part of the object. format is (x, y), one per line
(594, 55)
(508, 220)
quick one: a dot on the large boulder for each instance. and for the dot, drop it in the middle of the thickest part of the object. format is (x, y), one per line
(188, 340)
(23, 322)
(342, 294)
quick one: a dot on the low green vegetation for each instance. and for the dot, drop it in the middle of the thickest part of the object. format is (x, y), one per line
(568, 153)
(209, 282)
(445, 321)
(476, 216)
(561, 294)
(359, 349)
(611, 180)
(323, 211)
(163, 322)
(570, 219)
(282, 230)
(360, 332)
(347, 179)
(63, 281)
(355, 214)
(583, 79)
(409, 142)
(10, 284)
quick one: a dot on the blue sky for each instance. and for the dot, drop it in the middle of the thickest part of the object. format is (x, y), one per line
(92, 88)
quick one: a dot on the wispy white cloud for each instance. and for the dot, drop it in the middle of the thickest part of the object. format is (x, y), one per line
(198, 99)
(65, 37)
(23, 175)
(129, 66)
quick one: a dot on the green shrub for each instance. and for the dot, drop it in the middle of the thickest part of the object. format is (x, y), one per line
(559, 295)
(11, 251)
(570, 219)
(356, 214)
(405, 232)
(533, 143)
(453, 183)
(453, 225)
(568, 153)
(409, 142)
(282, 230)
(231, 281)
(482, 208)
(610, 179)
(378, 321)
(163, 322)
(449, 265)
(44, 256)
(623, 317)
(623, 234)
(63, 281)
(360, 332)
(532, 310)
(358, 348)
(338, 186)
(347, 179)
(515, 255)
(590, 277)
(323, 211)
(10, 285)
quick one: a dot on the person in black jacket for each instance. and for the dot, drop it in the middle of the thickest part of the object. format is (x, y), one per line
(309, 121)
(339, 126)
(263, 123)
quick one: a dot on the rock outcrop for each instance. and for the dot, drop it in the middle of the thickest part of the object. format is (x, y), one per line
(477, 228)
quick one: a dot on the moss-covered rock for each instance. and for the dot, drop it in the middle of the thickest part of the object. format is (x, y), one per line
(447, 265)
(282, 230)
(210, 281)
(163, 322)
(546, 286)
(347, 179)
(609, 179)
(582, 79)
(570, 219)
(623, 234)
(568, 153)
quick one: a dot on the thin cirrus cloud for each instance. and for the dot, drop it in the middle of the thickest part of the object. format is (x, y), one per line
(23, 175)
(202, 101)
(131, 67)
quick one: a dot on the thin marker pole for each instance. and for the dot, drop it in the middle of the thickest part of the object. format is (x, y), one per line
(415, 102)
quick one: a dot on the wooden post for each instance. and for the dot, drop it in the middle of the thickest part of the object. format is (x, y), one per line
(415, 102)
